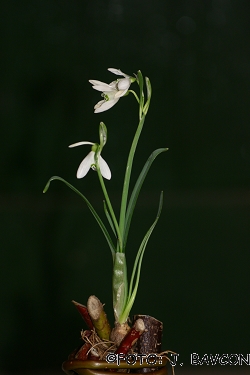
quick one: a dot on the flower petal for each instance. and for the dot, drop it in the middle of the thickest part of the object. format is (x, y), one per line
(121, 93)
(99, 104)
(104, 168)
(110, 95)
(85, 165)
(114, 84)
(104, 105)
(123, 84)
(95, 82)
(118, 72)
(103, 88)
(81, 143)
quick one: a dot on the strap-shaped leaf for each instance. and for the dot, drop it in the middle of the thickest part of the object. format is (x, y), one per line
(136, 191)
(92, 210)
(137, 265)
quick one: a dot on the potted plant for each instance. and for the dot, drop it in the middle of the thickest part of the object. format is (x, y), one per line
(131, 346)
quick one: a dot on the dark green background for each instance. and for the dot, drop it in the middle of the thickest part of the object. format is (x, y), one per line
(195, 275)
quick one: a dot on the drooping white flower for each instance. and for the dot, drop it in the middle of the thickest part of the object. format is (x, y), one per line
(111, 92)
(89, 162)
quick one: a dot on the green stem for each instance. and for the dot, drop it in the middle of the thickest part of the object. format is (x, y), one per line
(105, 193)
(126, 182)
(135, 95)
(127, 177)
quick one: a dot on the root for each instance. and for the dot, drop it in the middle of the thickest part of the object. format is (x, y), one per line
(99, 348)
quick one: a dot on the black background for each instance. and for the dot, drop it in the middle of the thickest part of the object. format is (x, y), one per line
(195, 275)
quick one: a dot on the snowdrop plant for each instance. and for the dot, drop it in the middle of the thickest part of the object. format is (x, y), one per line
(124, 292)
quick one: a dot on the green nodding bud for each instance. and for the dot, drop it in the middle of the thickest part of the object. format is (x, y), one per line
(103, 133)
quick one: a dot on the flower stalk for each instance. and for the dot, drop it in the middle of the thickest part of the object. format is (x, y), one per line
(128, 175)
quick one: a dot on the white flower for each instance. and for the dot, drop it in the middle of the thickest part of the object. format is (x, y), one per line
(111, 92)
(89, 162)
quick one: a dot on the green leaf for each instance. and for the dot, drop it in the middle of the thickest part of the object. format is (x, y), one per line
(92, 210)
(136, 191)
(137, 265)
